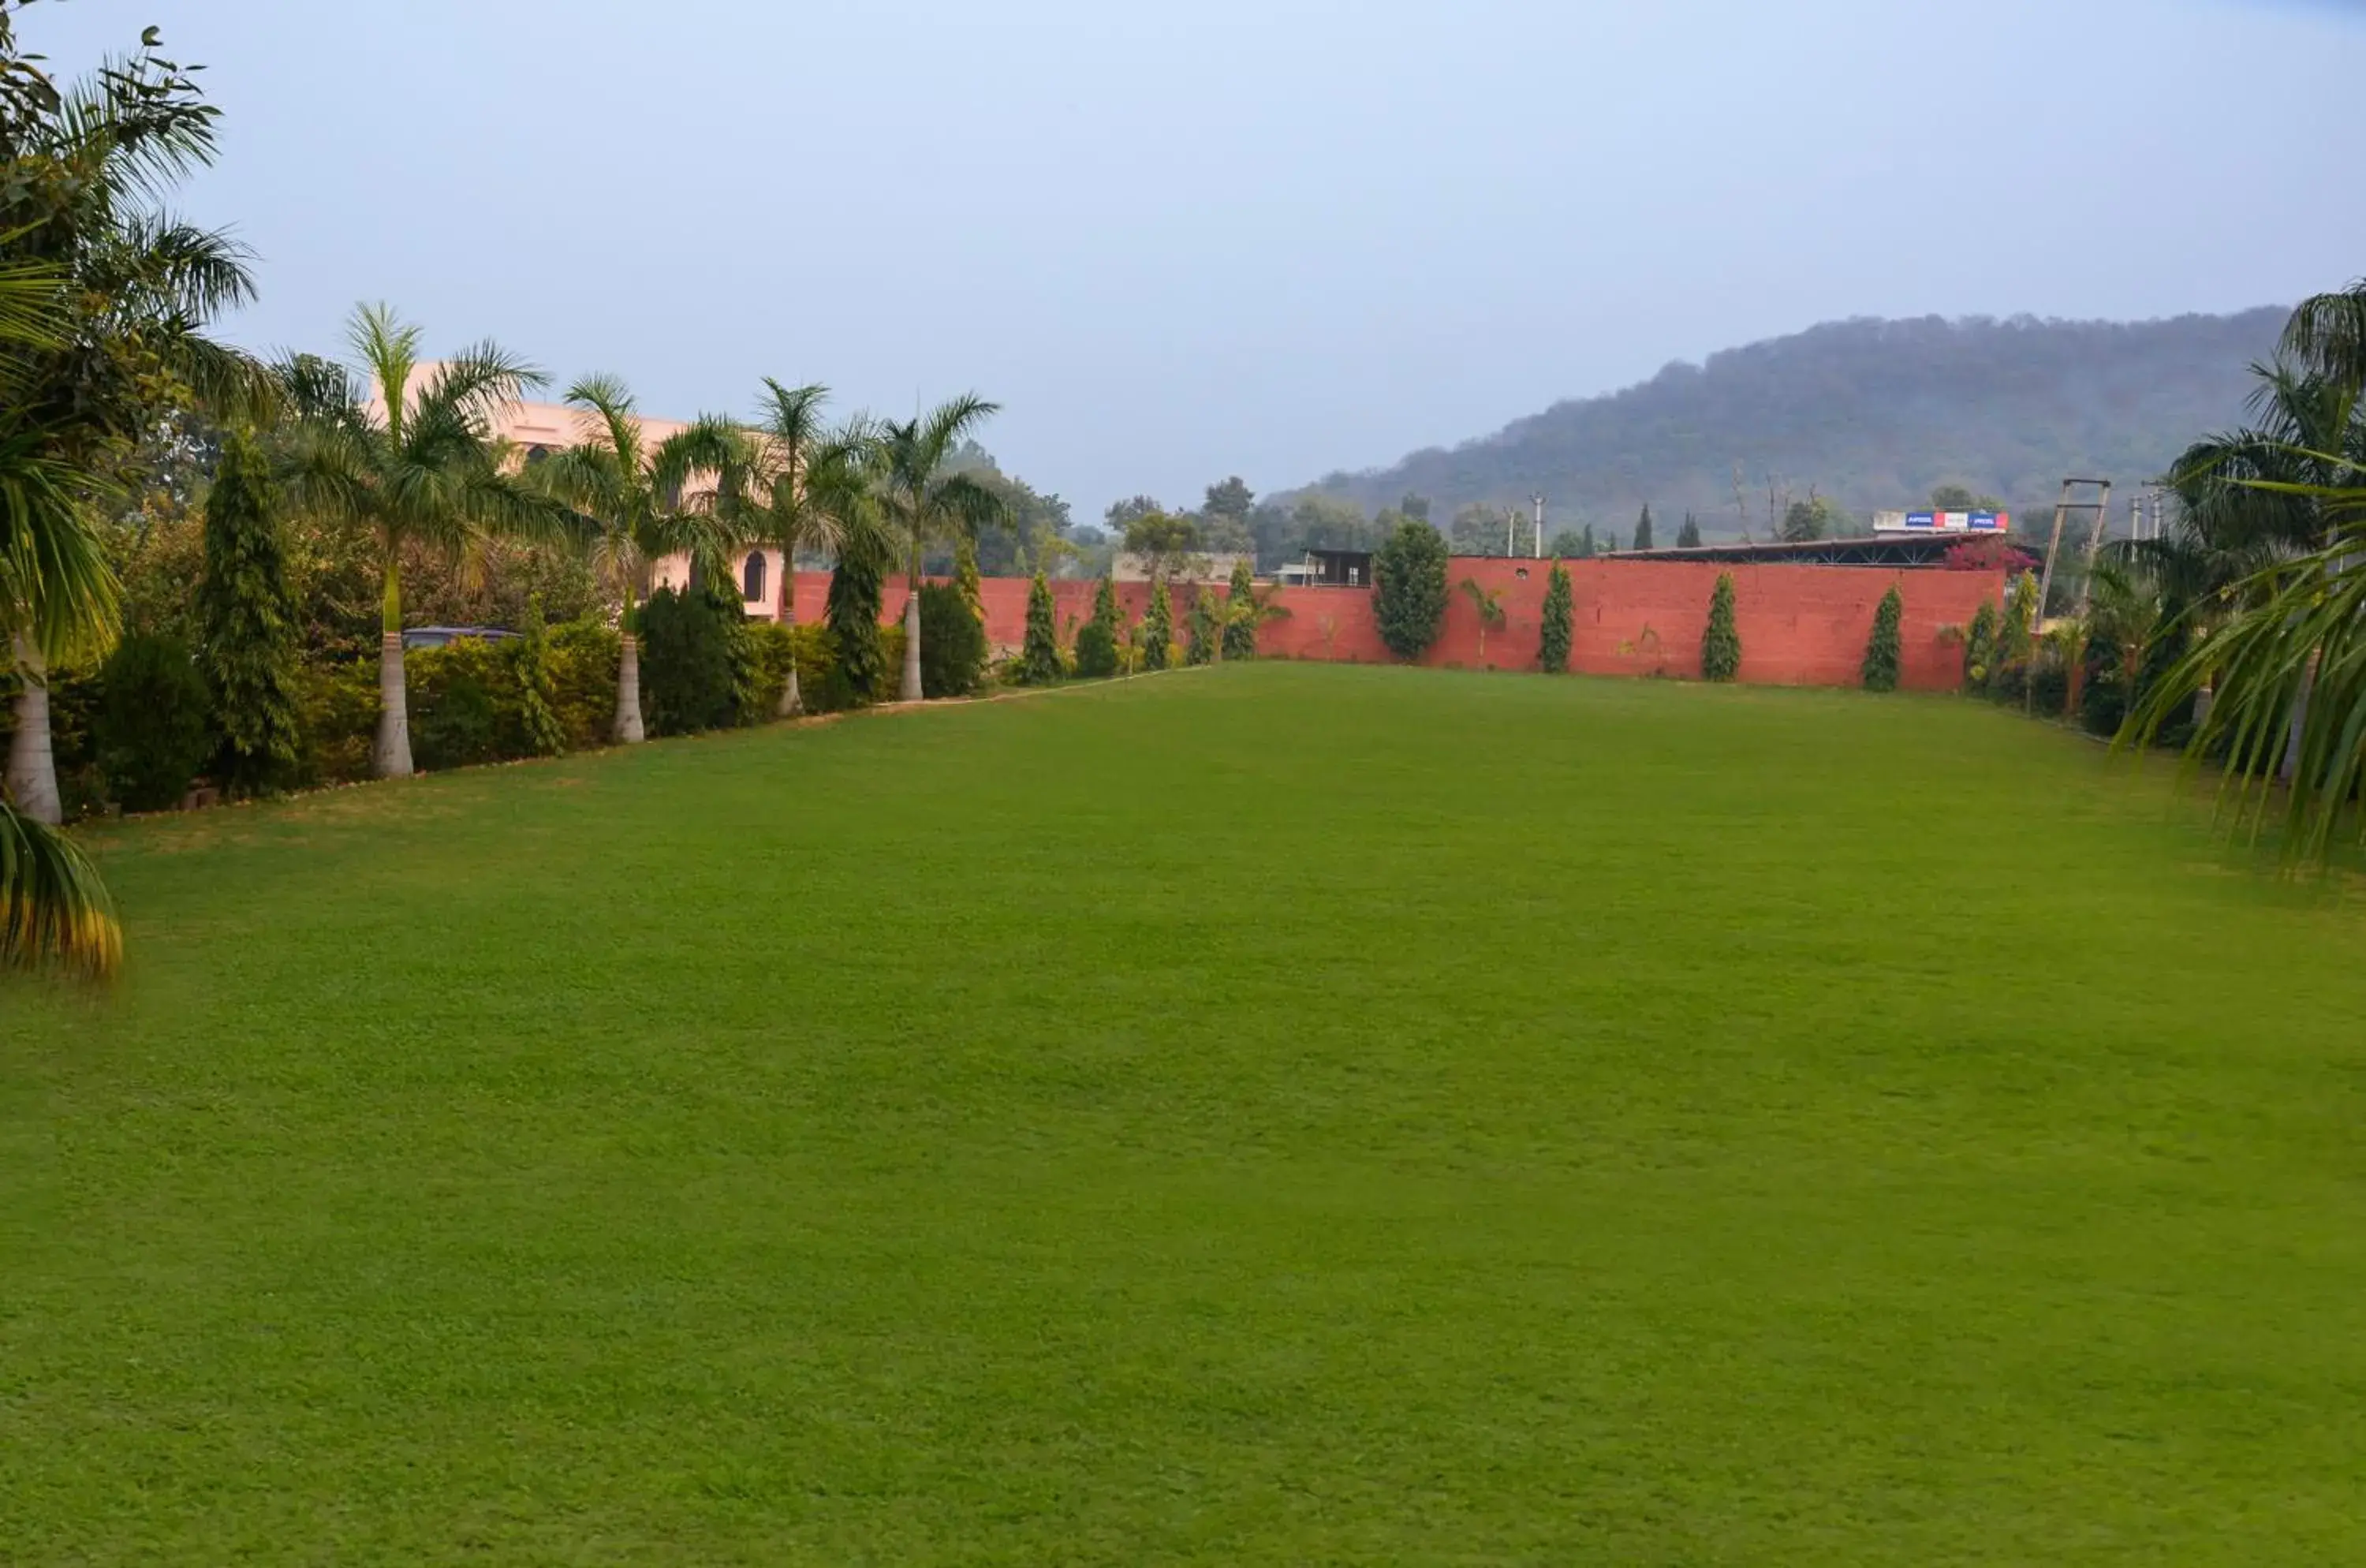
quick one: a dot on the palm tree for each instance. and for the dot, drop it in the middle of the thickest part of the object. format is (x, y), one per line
(409, 452)
(2281, 508)
(2328, 333)
(632, 509)
(802, 488)
(108, 298)
(1489, 602)
(926, 504)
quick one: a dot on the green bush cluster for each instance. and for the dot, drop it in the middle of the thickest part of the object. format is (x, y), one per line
(1097, 654)
(952, 643)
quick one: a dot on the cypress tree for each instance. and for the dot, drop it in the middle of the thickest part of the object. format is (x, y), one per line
(1586, 544)
(1203, 621)
(1554, 652)
(1688, 536)
(1241, 613)
(1096, 639)
(857, 588)
(1980, 649)
(1643, 529)
(1157, 627)
(1039, 661)
(251, 619)
(965, 578)
(1881, 651)
(1721, 643)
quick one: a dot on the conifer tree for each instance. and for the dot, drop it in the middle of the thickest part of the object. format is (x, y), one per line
(1096, 639)
(1643, 529)
(965, 578)
(1585, 545)
(1881, 651)
(1039, 660)
(252, 637)
(1203, 623)
(1688, 538)
(1556, 635)
(1721, 643)
(1241, 614)
(1157, 627)
(1980, 649)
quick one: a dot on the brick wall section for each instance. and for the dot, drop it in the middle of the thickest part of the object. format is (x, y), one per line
(1800, 625)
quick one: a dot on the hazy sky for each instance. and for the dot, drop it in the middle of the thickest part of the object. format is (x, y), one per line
(1270, 237)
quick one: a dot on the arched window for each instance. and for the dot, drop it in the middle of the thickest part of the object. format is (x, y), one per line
(752, 578)
(537, 454)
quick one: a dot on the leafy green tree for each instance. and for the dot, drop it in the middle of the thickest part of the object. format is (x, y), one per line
(925, 499)
(1488, 604)
(1643, 529)
(1568, 544)
(1038, 660)
(1165, 543)
(252, 624)
(2016, 637)
(1559, 621)
(1096, 639)
(1805, 522)
(1230, 498)
(412, 456)
(632, 508)
(1688, 538)
(1157, 627)
(1408, 589)
(1881, 650)
(1240, 639)
(1721, 643)
(1980, 647)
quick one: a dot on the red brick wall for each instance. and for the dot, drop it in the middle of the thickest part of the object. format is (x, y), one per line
(1800, 625)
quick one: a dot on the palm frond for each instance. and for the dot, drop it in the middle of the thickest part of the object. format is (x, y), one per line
(54, 912)
(2328, 332)
(56, 585)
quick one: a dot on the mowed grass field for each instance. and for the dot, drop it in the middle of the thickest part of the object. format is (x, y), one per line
(1279, 1114)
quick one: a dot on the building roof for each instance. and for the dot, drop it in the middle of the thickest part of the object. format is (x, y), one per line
(1890, 550)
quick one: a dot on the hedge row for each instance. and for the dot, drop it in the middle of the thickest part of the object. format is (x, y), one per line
(138, 730)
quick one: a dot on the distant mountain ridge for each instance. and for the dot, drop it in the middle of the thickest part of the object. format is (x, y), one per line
(1873, 413)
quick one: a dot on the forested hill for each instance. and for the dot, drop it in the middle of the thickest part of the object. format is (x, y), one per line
(1870, 413)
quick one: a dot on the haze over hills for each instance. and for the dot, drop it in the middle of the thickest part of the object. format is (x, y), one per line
(1870, 413)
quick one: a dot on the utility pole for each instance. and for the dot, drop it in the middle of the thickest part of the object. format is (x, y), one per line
(1511, 521)
(1540, 527)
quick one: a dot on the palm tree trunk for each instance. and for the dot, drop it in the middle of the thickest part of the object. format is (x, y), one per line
(391, 757)
(32, 768)
(911, 690)
(628, 730)
(793, 701)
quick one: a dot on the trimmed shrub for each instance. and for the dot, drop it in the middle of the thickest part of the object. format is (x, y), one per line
(338, 708)
(539, 731)
(1408, 589)
(253, 638)
(1039, 660)
(1158, 628)
(1096, 639)
(1980, 649)
(581, 659)
(153, 728)
(1241, 624)
(952, 643)
(1721, 642)
(460, 696)
(1881, 649)
(1557, 633)
(688, 667)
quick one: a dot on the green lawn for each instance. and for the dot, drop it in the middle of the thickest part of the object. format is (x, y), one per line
(1281, 1114)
